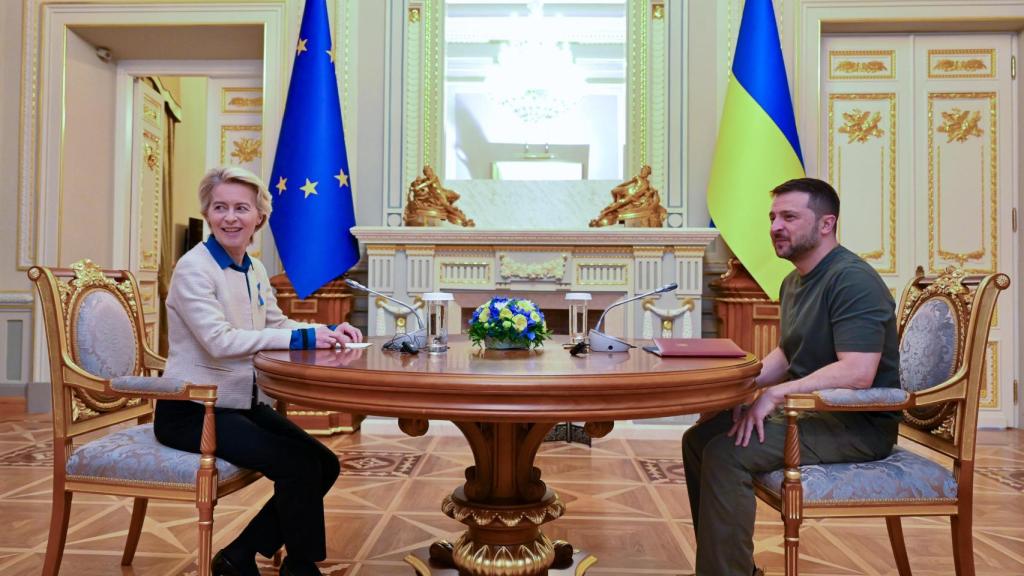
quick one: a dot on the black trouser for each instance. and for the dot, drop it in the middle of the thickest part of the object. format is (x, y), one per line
(719, 476)
(260, 439)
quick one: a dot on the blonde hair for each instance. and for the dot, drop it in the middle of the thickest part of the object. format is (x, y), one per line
(237, 175)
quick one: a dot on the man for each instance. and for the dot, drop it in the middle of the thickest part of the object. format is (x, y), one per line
(838, 330)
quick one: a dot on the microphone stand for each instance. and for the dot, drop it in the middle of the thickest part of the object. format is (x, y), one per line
(574, 433)
(410, 341)
(601, 342)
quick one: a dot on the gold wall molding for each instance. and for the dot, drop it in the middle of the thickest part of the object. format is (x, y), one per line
(962, 63)
(862, 65)
(935, 188)
(647, 87)
(887, 185)
(245, 100)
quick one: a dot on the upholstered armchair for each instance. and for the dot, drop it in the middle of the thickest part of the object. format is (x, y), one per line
(104, 375)
(943, 325)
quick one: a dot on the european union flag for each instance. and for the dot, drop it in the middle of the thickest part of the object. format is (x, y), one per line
(313, 209)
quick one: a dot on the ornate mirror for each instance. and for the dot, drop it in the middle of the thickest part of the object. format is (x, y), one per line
(551, 103)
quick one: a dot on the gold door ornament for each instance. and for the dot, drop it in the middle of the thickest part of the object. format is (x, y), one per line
(860, 125)
(959, 125)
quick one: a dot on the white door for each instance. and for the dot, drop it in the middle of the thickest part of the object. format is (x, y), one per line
(234, 130)
(918, 138)
(148, 128)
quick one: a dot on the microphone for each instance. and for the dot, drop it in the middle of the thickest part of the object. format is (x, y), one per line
(601, 342)
(409, 342)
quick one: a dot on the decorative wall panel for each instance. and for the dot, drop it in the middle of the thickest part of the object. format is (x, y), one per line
(242, 146)
(963, 196)
(862, 168)
(962, 63)
(247, 100)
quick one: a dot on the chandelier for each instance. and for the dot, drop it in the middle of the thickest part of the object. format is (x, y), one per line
(535, 76)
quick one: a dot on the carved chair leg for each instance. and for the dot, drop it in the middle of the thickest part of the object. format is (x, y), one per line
(58, 529)
(134, 530)
(791, 531)
(899, 549)
(205, 538)
(963, 544)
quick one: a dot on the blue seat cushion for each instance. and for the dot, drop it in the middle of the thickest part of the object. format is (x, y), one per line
(902, 477)
(134, 455)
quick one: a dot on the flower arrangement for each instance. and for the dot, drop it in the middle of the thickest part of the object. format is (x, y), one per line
(508, 323)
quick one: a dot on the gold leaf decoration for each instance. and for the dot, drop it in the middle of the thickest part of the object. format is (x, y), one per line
(854, 67)
(247, 149)
(242, 102)
(959, 125)
(969, 65)
(860, 126)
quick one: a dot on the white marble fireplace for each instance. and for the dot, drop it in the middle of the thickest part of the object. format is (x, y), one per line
(542, 265)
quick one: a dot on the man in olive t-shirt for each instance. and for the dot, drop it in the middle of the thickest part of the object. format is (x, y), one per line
(838, 327)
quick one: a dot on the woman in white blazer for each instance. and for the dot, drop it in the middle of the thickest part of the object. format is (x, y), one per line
(221, 310)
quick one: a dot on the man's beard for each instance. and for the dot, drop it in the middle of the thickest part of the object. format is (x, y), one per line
(797, 246)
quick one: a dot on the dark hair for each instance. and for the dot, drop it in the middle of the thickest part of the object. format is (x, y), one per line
(823, 200)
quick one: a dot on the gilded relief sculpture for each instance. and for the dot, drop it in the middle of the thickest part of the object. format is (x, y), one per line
(635, 203)
(429, 203)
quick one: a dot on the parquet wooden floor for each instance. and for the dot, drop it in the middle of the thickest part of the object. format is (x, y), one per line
(625, 495)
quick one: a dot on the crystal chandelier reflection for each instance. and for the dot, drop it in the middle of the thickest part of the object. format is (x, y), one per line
(535, 76)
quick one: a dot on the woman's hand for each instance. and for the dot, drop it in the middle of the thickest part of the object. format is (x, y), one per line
(348, 333)
(327, 338)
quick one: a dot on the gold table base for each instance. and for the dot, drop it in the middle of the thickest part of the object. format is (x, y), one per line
(424, 566)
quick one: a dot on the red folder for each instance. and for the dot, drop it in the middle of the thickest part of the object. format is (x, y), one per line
(696, 347)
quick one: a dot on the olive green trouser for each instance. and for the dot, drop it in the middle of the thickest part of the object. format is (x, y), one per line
(719, 476)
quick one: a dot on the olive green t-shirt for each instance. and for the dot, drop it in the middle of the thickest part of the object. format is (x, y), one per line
(842, 305)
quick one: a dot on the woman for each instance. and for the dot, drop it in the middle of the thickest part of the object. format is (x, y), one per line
(221, 310)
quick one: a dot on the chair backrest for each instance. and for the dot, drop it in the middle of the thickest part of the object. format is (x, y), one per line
(94, 332)
(944, 324)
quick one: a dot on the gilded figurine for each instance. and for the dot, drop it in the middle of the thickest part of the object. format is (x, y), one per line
(429, 203)
(635, 203)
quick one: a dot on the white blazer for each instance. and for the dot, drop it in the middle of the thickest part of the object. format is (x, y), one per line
(209, 339)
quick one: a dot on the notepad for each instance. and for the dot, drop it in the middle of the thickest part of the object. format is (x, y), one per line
(696, 348)
(358, 345)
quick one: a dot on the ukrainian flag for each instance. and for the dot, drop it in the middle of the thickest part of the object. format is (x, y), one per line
(758, 147)
(310, 183)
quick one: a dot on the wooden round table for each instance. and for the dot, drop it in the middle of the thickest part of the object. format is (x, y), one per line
(504, 402)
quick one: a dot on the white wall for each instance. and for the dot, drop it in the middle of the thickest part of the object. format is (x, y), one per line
(86, 210)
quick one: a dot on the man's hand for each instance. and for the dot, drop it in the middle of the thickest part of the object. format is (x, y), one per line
(753, 418)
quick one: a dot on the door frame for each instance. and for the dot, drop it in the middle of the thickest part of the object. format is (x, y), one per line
(127, 72)
(45, 28)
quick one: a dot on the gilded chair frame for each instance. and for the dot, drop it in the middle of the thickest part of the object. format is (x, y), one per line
(943, 419)
(84, 404)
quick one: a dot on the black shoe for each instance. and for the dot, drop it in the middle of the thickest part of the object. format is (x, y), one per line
(292, 568)
(221, 565)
